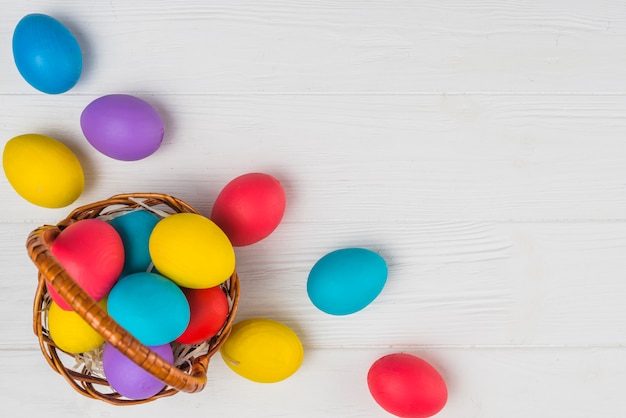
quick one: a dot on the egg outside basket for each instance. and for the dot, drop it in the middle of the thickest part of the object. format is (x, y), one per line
(189, 372)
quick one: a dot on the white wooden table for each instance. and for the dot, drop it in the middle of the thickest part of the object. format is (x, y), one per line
(480, 147)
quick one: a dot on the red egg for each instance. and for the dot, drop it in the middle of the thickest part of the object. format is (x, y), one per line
(209, 309)
(249, 208)
(407, 386)
(92, 253)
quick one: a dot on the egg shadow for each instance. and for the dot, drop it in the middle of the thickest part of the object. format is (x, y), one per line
(80, 31)
(169, 121)
(85, 156)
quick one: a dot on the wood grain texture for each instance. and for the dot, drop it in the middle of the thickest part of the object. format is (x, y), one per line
(373, 157)
(477, 146)
(531, 382)
(352, 46)
(450, 283)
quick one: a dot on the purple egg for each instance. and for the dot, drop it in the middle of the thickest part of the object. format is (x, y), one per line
(122, 127)
(129, 379)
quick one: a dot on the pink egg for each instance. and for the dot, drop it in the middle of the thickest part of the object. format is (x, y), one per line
(249, 208)
(208, 312)
(407, 386)
(92, 253)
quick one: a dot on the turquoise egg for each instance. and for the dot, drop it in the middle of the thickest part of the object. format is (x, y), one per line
(135, 228)
(149, 306)
(346, 280)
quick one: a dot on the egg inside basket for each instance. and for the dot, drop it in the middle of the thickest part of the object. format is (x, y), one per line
(83, 371)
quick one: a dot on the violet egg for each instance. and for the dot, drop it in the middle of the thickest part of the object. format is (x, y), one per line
(122, 127)
(129, 379)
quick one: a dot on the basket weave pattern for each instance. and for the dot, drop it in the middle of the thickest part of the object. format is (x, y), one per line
(188, 377)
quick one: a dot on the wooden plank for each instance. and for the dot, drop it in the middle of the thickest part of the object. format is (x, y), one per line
(450, 283)
(574, 382)
(477, 146)
(382, 158)
(357, 46)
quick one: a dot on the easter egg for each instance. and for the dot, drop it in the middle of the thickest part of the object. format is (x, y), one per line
(407, 386)
(249, 208)
(262, 350)
(46, 54)
(129, 379)
(135, 228)
(70, 332)
(42, 170)
(192, 251)
(149, 306)
(346, 280)
(92, 253)
(122, 126)
(209, 310)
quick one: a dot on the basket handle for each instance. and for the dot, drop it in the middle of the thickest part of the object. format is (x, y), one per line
(38, 246)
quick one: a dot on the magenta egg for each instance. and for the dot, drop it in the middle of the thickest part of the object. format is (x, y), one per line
(123, 127)
(92, 253)
(129, 379)
(407, 386)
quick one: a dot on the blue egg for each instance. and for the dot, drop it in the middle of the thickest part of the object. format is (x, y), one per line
(46, 54)
(149, 306)
(347, 280)
(135, 228)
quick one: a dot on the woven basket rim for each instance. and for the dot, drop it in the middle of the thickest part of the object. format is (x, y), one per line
(187, 379)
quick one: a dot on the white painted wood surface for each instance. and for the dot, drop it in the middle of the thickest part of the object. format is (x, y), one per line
(478, 146)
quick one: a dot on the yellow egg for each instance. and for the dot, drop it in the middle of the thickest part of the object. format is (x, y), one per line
(43, 170)
(70, 332)
(262, 350)
(192, 251)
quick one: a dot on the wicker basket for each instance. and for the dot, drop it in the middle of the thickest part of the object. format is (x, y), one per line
(190, 376)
